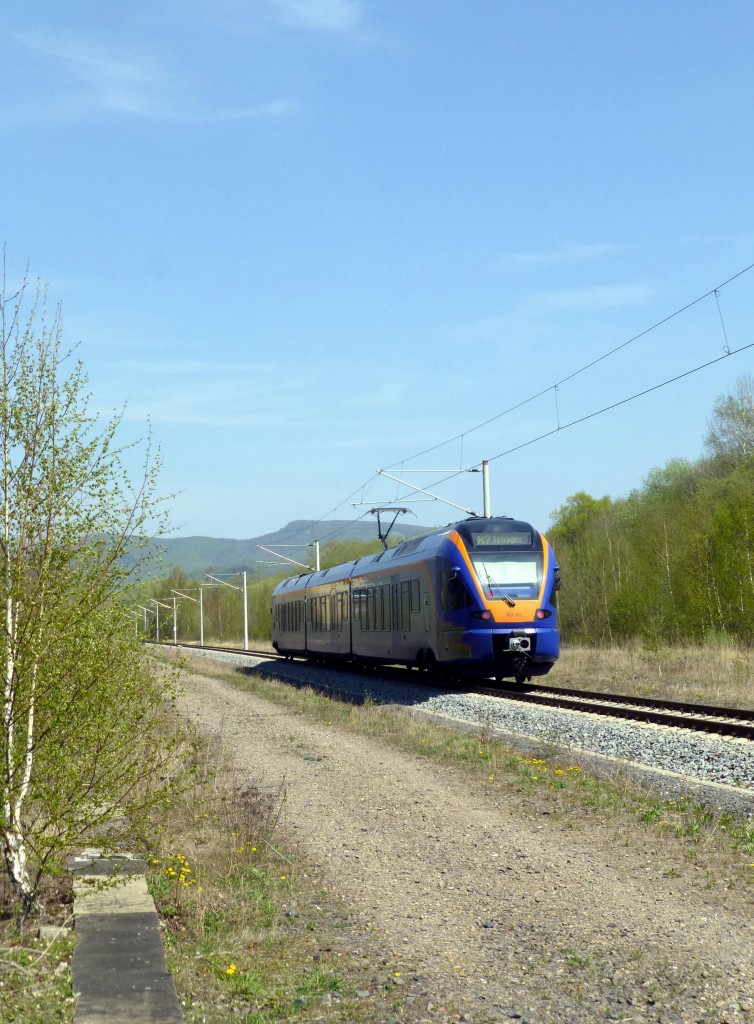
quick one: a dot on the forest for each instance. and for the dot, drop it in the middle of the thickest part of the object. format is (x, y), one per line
(672, 562)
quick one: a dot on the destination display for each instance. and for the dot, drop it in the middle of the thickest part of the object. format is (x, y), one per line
(507, 540)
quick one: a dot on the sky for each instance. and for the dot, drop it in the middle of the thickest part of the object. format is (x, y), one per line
(306, 240)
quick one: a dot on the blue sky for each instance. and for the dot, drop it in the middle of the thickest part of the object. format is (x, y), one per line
(310, 238)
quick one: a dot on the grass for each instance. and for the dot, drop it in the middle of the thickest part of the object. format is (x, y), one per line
(36, 981)
(249, 936)
(35, 974)
(715, 673)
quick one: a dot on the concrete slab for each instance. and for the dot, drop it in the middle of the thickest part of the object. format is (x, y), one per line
(130, 896)
(119, 970)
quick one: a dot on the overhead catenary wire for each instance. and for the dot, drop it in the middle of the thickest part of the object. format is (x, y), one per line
(582, 369)
(715, 291)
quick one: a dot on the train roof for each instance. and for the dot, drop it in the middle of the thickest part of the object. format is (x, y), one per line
(470, 529)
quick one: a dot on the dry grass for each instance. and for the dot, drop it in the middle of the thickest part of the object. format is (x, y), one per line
(714, 674)
(248, 934)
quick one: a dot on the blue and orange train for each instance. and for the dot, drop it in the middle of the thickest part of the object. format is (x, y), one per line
(475, 599)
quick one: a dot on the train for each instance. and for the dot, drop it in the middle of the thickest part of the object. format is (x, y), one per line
(477, 598)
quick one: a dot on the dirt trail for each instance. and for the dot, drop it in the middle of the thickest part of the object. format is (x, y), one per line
(484, 907)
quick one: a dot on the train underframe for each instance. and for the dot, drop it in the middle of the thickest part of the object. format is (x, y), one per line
(519, 654)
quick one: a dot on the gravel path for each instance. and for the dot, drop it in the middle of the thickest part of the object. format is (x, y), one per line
(491, 911)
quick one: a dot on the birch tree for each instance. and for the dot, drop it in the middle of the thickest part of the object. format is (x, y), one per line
(81, 711)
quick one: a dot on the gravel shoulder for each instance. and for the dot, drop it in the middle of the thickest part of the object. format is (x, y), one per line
(491, 910)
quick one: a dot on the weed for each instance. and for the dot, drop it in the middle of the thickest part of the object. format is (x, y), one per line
(231, 902)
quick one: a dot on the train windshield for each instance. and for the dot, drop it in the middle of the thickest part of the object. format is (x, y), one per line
(508, 575)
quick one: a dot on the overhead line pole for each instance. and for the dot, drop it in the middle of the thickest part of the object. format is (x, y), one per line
(245, 601)
(161, 605)
(198, 601)
(147, 611)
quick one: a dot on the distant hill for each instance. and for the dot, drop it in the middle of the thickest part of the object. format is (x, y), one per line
(195, 555)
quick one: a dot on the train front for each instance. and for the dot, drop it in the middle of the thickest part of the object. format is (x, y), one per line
(509, 570)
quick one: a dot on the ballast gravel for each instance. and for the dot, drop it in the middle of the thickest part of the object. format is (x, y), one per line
(489, 908)
(703, 756)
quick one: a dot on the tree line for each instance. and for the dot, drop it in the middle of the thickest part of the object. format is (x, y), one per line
(222, 603)
(672, 562)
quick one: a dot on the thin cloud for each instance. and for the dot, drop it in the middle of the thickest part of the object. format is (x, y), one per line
(618, 296)
(172, 365)
(530, 320)
(98, 77)
(265, 111)
(87, 77)
(562, 254)
(337, 17)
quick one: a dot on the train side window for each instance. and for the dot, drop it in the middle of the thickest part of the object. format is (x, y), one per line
(453, 592)
(405, 606)
(378, 608)
(370, 608)
(414, 595)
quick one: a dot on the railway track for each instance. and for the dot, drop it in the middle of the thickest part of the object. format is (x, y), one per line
(735, 722)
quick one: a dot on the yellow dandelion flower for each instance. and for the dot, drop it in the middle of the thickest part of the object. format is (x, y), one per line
(231, 969)
(283, 878)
